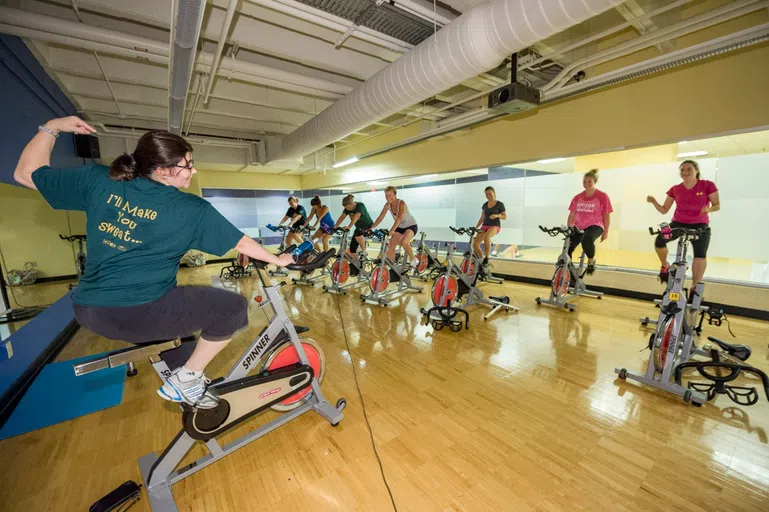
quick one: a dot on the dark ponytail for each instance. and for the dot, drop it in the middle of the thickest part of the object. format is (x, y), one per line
(123, 168)
(316, 201)
(155, 149)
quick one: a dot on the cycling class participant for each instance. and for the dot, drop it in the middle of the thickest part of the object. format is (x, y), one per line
(695, 198)
(322, 218)
(360, 218)
(404, 228)
(296, 216)
(491, 213)
(590, 211)
(139, 226)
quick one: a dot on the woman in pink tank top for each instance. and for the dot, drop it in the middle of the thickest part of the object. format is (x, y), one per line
(695, 198)
(590, 211)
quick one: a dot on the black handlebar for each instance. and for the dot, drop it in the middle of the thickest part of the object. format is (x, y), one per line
(465, 231)
(562, 230)
(671, 232)
(316, 263)
(73, 238)
(379, 234)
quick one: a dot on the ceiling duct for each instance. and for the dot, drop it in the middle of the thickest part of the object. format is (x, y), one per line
(473, 43)
(185, 31)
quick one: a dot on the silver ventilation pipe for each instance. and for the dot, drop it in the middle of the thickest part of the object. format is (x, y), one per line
(470, 45)
(185, 31)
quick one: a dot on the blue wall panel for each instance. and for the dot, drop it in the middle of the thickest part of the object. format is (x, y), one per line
(28, 98)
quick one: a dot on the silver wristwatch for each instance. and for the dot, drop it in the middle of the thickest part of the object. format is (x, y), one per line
(48, 130)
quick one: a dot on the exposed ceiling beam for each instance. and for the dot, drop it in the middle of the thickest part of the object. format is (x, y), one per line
(630, 10)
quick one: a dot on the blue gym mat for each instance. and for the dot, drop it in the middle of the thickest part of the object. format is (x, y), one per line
(58, 395)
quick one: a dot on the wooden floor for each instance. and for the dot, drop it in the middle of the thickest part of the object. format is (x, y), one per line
(519, 413)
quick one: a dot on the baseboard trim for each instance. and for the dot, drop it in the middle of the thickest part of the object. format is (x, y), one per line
(632, 294)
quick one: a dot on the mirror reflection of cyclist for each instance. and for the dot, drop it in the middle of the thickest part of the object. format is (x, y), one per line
(590, 211)
(296, 216)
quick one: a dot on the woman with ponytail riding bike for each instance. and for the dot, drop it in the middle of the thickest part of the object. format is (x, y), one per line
(139, 226)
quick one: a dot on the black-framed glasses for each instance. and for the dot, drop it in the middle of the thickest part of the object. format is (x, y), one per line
(189, 166)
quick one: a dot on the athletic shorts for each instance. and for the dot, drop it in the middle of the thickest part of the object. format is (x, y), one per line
(414, 229)
(216, 313)
(486, 228)
(700, 245)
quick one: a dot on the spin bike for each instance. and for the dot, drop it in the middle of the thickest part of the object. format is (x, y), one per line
(472, 264)
(348, 265)
(454, 284)
(286, 373)
(80, 259)
(428, 265)
(566, 273)
(673, 344)
(241, 266)
(385, 272)
(310, 277)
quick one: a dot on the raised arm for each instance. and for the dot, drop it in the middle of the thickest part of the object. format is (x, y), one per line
(38, 152)
(662, 208)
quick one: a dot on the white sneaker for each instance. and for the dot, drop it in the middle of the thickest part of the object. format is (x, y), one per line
(414, 263)
(191, 388)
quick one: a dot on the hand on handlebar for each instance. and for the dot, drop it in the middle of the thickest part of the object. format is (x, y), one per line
(285, 259)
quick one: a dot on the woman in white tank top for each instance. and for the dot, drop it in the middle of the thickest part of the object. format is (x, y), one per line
(404, 228)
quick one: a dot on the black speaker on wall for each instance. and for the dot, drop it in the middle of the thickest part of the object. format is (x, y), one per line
(87, 146)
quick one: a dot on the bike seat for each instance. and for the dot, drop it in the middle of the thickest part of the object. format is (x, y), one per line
(741, 352)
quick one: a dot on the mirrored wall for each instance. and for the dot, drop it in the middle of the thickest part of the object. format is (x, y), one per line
(539, 193)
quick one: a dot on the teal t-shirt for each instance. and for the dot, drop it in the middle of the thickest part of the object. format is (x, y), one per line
(137, 231)
(364, 221)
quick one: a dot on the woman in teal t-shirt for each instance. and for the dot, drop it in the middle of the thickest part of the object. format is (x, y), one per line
(139, 226)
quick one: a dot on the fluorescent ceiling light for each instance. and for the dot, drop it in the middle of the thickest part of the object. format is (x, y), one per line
(345, 162)
(550, 160)
(692, 153)
(377, 183)
(479, 171)
(684, 142)
(431, 176)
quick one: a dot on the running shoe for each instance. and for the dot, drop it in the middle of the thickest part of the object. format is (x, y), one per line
(190, 388)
